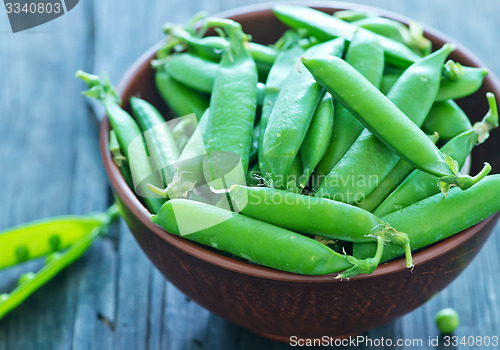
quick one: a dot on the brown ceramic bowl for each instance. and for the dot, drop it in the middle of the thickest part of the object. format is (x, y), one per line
(277, 304)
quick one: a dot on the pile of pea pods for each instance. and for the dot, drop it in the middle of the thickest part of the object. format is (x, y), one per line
(345, 130)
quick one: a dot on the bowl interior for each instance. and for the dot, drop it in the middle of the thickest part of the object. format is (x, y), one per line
(260, 22)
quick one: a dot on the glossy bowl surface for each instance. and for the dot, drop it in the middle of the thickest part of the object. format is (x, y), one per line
(277, 304)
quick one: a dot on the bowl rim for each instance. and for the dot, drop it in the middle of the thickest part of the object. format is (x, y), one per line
(199, 252)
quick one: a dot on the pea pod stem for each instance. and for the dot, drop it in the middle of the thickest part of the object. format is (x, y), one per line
(413, 95)
(365, 54)
(384, 119)
(31, 282)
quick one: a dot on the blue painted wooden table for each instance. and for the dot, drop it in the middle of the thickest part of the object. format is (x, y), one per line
(50, 165)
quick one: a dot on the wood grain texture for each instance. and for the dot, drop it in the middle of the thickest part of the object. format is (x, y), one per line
(113, 298)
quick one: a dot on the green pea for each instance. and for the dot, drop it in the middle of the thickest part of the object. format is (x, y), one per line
(447, 320)
(25, 278)
(22, 253)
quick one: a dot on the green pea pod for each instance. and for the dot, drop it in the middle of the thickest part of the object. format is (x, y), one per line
(419, 185)
(212, 47)
(388, 81)
(447, 119)
(232, 110)
(316, 141)
(352, 15)
(295, 176)
(253, 176)
(179, 98)
(434, 219)
(192, 71)
(197, 73)
(390, 182)
(188, 171)
(369, 160)
(119, 159)
(468, 82)
(285, 62)
(160, 142)
(366, 55)
(387, 121)
(75, 234)
(384, 26)
(306, 214)
(413, 36)
(183, 130)
(258, 241)
(255, 143)
(292, 114)
(326, 27)
(129, 136)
